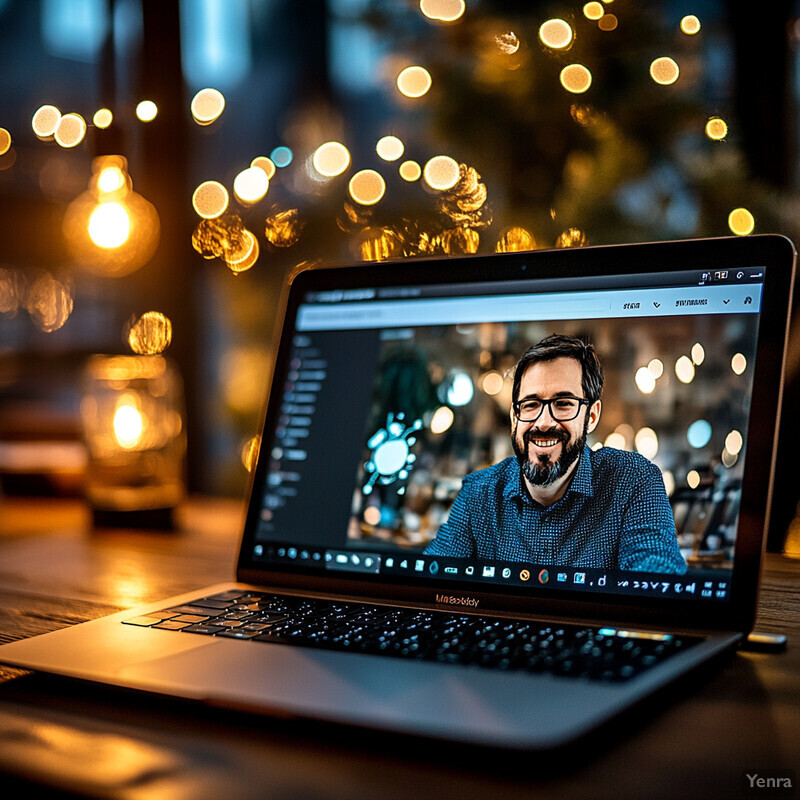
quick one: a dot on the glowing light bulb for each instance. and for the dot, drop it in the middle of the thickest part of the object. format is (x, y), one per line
(109, 225)
(128, 424)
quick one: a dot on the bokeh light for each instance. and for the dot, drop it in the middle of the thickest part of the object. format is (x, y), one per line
(5, 141)
(739, 364)
(442, 419)
(698, 354)
(741, 222)
(645, 380)
(210, 199)
(442, 173)
(656, 367)
(507, 43)
(331, 159)
(593, 11)
(693, 479)
(608, 22)
(49, 302)
(646, 442)
(389, 148)
(150, 334)
(267, 164)
(572, 237)
(443, 10)
(410, 171)
(716, 129)
(615, 440)
(734, 442)
(102, 118)
(146, 111)
(414, 81)
(283, 228)
(576, 78)
(556, 33)
(70, 131)
(245, 256)
(250, 185)
(690, 25)
(207, 106)
(282, 156)
(699, 434)
(367, 187)
(684, 369)
(492, 383)
(515, 239)
(45, 121)
(664, 71)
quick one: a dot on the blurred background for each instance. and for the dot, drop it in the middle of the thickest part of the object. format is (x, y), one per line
(165, 165)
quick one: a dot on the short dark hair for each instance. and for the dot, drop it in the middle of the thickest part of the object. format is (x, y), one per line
(559, 345)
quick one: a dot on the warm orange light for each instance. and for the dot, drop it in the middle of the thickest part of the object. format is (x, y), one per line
(331, 159)
(367, 187)
(556, 33)
(207, 106)
(109, 225)
(664, 71)
(414, 81)
(210, 199)
(45, 121)
(5, 141)
(442, 173)
(102, 118)
(70, 131)
(389, 148)
(576, 78)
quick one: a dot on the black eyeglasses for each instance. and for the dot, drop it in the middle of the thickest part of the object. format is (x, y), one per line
(562, 409)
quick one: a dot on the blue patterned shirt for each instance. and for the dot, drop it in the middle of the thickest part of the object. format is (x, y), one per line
(615, 514)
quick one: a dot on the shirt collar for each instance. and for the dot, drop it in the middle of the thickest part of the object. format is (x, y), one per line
(581, 483)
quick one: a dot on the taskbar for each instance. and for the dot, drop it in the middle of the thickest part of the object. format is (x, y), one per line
(697, 583)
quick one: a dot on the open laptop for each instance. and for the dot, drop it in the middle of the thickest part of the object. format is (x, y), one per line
(392, 383)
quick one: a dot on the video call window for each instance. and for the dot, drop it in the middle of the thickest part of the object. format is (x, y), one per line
(676, 391)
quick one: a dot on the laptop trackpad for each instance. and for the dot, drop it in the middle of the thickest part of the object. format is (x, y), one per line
(440, 700)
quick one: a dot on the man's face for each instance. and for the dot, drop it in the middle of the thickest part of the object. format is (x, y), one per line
(547, 449)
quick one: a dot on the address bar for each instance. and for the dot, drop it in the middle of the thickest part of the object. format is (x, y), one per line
(451, 311)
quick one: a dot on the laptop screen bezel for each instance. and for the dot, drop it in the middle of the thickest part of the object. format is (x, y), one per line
(775, 253)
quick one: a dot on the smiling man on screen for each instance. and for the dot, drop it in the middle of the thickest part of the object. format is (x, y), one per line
(559, 502)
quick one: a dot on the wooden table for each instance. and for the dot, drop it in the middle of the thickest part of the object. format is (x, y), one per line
(79, 740)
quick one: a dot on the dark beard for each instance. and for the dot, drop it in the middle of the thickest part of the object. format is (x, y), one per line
(544, 472)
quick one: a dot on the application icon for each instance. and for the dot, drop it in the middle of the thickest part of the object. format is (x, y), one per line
(506, 573)
(488, 572)
(580, 577)
(404, 564)
(562, 577)
(451, 570)
(524, 575)
(419, 566)
(389, 563)
(433, 567)
(469, 570)
(544, 576)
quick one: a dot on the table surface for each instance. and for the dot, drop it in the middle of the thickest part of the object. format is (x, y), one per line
(82, 740)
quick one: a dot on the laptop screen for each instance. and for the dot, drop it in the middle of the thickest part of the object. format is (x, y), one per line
(576, 433)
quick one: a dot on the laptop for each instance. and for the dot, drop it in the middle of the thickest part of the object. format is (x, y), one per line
(397, 573)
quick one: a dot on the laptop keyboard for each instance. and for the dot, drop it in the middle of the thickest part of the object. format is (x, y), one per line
(600, 653)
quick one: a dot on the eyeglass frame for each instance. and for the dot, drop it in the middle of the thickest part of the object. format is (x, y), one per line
(582, 401)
